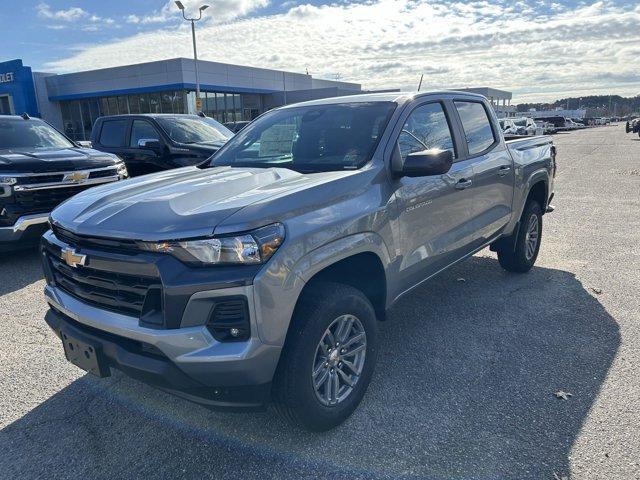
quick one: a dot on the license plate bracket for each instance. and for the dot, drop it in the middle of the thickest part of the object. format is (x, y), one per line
(84, 355)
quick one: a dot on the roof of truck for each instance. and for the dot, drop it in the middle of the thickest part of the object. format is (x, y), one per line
(398, 97)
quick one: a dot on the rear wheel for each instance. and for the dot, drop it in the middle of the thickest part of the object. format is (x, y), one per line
(328, 359)
(519, 256)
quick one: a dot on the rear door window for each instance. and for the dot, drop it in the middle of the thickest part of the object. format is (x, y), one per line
(477, 127)
(113, 133)
(142, 129)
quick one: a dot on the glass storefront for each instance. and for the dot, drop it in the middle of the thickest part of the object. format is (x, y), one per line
(230, 107)
(78, 116)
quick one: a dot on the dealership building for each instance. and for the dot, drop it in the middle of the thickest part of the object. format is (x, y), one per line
(71, 102)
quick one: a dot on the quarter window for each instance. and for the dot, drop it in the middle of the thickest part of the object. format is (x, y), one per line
(113, 133)
(425, 129)
(477, 127)
(140, 130)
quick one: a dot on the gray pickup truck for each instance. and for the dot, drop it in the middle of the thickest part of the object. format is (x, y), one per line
(259, 276)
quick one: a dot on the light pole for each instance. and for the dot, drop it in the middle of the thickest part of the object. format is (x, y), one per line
(195, 51)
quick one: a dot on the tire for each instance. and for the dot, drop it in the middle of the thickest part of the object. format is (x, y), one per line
(295, 397)
(519, 257)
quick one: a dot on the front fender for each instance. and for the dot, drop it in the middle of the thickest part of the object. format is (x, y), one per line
(277, 290)
(326, 255)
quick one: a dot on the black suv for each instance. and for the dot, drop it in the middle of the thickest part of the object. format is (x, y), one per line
(153, 142)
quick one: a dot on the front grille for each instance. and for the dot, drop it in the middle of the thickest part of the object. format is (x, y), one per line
(117, 292)
(32, 180)
(111, 172)
(43, 201)
(109, 244)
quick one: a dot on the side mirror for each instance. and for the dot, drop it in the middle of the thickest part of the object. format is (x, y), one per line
(150, 143)
(427, 162)
(85, 144)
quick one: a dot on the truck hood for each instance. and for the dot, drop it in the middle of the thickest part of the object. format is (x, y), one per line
(55, 160)
(176, 204)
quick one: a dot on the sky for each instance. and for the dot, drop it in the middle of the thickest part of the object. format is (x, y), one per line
(539, 50)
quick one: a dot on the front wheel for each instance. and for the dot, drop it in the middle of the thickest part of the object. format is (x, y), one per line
(520, 256)
(328, 358)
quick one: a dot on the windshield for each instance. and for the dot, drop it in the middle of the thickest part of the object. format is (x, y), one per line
(194, 130)
(31, 134)
(311, 138)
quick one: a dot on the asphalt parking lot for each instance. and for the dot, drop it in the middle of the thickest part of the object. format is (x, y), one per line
(464, 386)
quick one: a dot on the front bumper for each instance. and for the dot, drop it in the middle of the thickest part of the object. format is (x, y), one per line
(24, 233)
(187, 362)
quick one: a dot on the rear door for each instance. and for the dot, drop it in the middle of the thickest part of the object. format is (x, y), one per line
(492, 167)
(434, 212)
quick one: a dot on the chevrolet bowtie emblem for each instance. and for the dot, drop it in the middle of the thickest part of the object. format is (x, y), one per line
(76, 177)
(72, 258)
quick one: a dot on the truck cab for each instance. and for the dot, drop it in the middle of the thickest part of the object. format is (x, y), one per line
(154, 142)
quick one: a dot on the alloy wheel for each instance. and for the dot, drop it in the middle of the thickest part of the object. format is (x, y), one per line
(339, 360)
(531, 237)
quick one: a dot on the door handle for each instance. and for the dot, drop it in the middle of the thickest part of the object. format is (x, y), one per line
(463, 183)
(504, 170)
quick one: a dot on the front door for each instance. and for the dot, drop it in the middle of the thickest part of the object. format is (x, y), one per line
(141, 160)
(434, 212)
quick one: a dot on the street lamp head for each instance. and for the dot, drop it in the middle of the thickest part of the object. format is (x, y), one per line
(204, 7)
(179, 4)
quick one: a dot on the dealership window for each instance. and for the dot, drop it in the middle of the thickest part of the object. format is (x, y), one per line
(223, 107)
(154, 103)
(104, 106)
(178, 101)
(85, 112)
(123, 105)
(78, 117)
(134, 104)
(166, 102)
(144, 104)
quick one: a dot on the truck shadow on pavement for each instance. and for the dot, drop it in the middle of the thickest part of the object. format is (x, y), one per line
(19, 269)
(464, 388)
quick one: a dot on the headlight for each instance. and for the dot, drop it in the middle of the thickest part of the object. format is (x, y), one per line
(250, 248)
(8, 180)
(122, 170)
(5, 185)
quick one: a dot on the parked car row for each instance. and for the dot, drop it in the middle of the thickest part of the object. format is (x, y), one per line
(40, 167)
(560, 123)
(521, 126)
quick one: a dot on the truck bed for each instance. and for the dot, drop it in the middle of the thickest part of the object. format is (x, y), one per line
(530, 149)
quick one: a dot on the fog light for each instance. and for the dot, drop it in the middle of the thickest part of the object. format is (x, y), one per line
(234, 332)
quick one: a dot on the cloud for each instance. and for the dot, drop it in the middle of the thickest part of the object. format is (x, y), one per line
(536, 50)
(69, 15)
(222, 10)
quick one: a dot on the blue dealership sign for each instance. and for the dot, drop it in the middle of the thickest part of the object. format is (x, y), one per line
(16, 81)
